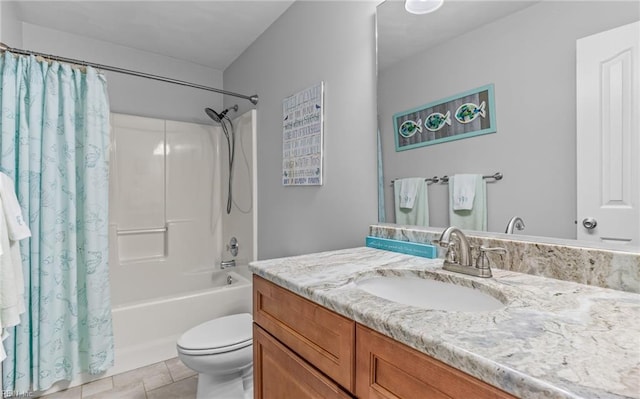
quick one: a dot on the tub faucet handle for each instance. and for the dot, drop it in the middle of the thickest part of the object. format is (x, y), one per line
(227, 263)
(233, 246)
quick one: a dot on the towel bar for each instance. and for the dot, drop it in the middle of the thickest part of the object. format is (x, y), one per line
(445, 179)
(433, 179)
(496, 176)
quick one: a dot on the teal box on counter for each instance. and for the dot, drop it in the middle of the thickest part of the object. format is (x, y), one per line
(403, 247)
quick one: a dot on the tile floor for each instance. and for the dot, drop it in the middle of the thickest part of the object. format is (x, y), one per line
(165, 380)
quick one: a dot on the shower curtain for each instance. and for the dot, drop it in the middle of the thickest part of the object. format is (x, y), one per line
(54, 144)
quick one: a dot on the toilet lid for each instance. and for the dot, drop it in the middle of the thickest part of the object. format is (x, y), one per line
(219, 335)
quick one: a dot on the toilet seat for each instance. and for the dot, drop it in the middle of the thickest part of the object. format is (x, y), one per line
(224, 334)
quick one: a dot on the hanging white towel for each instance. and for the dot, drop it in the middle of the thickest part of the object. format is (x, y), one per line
(11, 302)
(13, 228)
(16, 225)
(17, 229)
(3, 354)
(5, 334)
(470, 219)
(408, 191)
(419, 213)
(464, 191)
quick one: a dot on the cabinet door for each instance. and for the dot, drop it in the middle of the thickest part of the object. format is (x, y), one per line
(322, 337)
(280, 373)
(388, 369)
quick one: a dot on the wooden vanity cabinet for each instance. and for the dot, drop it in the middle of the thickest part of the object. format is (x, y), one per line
(280, 373)
(303, 350)
(388, 369)
(323, 338)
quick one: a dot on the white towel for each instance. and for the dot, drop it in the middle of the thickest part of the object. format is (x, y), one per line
(11, 301)
(3, 354)
(419, 213)
(16, 225)
(464, 191)
(13, 228)
(470, 219)
(408, 191)
(17, 229)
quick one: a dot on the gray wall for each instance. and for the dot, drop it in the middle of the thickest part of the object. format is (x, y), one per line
(530, 57)
(315, 41)
(10, 26)
(129, 94)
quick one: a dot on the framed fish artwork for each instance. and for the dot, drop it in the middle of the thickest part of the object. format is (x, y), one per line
(463, 115)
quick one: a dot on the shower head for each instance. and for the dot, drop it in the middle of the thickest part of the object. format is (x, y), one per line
(217, 117)
(229, 134)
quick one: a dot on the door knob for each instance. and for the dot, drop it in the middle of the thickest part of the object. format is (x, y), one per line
(589, 223)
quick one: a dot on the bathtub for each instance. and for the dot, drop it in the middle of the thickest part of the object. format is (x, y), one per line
(145, 332)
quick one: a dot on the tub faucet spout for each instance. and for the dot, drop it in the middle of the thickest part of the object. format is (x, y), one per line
(227, 263)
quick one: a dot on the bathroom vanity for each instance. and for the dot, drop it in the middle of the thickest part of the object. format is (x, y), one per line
(325, 345)
(316, 334)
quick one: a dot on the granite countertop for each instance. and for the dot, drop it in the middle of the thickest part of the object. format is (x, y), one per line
(553, 339)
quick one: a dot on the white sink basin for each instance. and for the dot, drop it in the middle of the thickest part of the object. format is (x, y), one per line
(429, 294)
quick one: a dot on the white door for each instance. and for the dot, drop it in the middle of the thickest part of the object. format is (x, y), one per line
(608, 130)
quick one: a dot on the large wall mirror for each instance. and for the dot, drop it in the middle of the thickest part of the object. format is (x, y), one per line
(527, 50)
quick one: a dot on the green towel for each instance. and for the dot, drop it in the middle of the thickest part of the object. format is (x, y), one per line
(419, 214)
(475, 218)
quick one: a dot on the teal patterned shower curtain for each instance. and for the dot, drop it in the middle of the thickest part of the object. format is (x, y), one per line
(54, 144)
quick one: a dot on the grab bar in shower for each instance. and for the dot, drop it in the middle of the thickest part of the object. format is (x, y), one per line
(142, 231)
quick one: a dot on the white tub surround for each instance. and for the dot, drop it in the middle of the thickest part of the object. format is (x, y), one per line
(553, 339)
(570, 260)
(165, 206)
(168, 231)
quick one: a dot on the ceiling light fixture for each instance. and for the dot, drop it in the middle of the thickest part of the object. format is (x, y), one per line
(422, 6)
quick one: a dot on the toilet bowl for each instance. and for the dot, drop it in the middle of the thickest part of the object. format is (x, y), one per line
(221, 351)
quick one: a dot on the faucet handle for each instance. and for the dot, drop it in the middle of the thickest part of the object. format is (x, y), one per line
(451, 247)
(452, 253)
(482, 262)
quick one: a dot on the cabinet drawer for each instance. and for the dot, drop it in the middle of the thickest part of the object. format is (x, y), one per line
(280, 373)
(389, 369)
(323, 338)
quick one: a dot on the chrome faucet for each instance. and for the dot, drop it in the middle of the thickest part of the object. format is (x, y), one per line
(515, 222)
(460, 254)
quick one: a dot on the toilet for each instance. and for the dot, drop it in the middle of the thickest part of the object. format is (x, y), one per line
(221, 351)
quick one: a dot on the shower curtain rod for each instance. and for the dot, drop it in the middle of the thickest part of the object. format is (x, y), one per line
(4, 47)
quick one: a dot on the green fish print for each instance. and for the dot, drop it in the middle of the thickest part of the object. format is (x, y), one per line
(436, 121)
(409, 128)
(468, 112)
